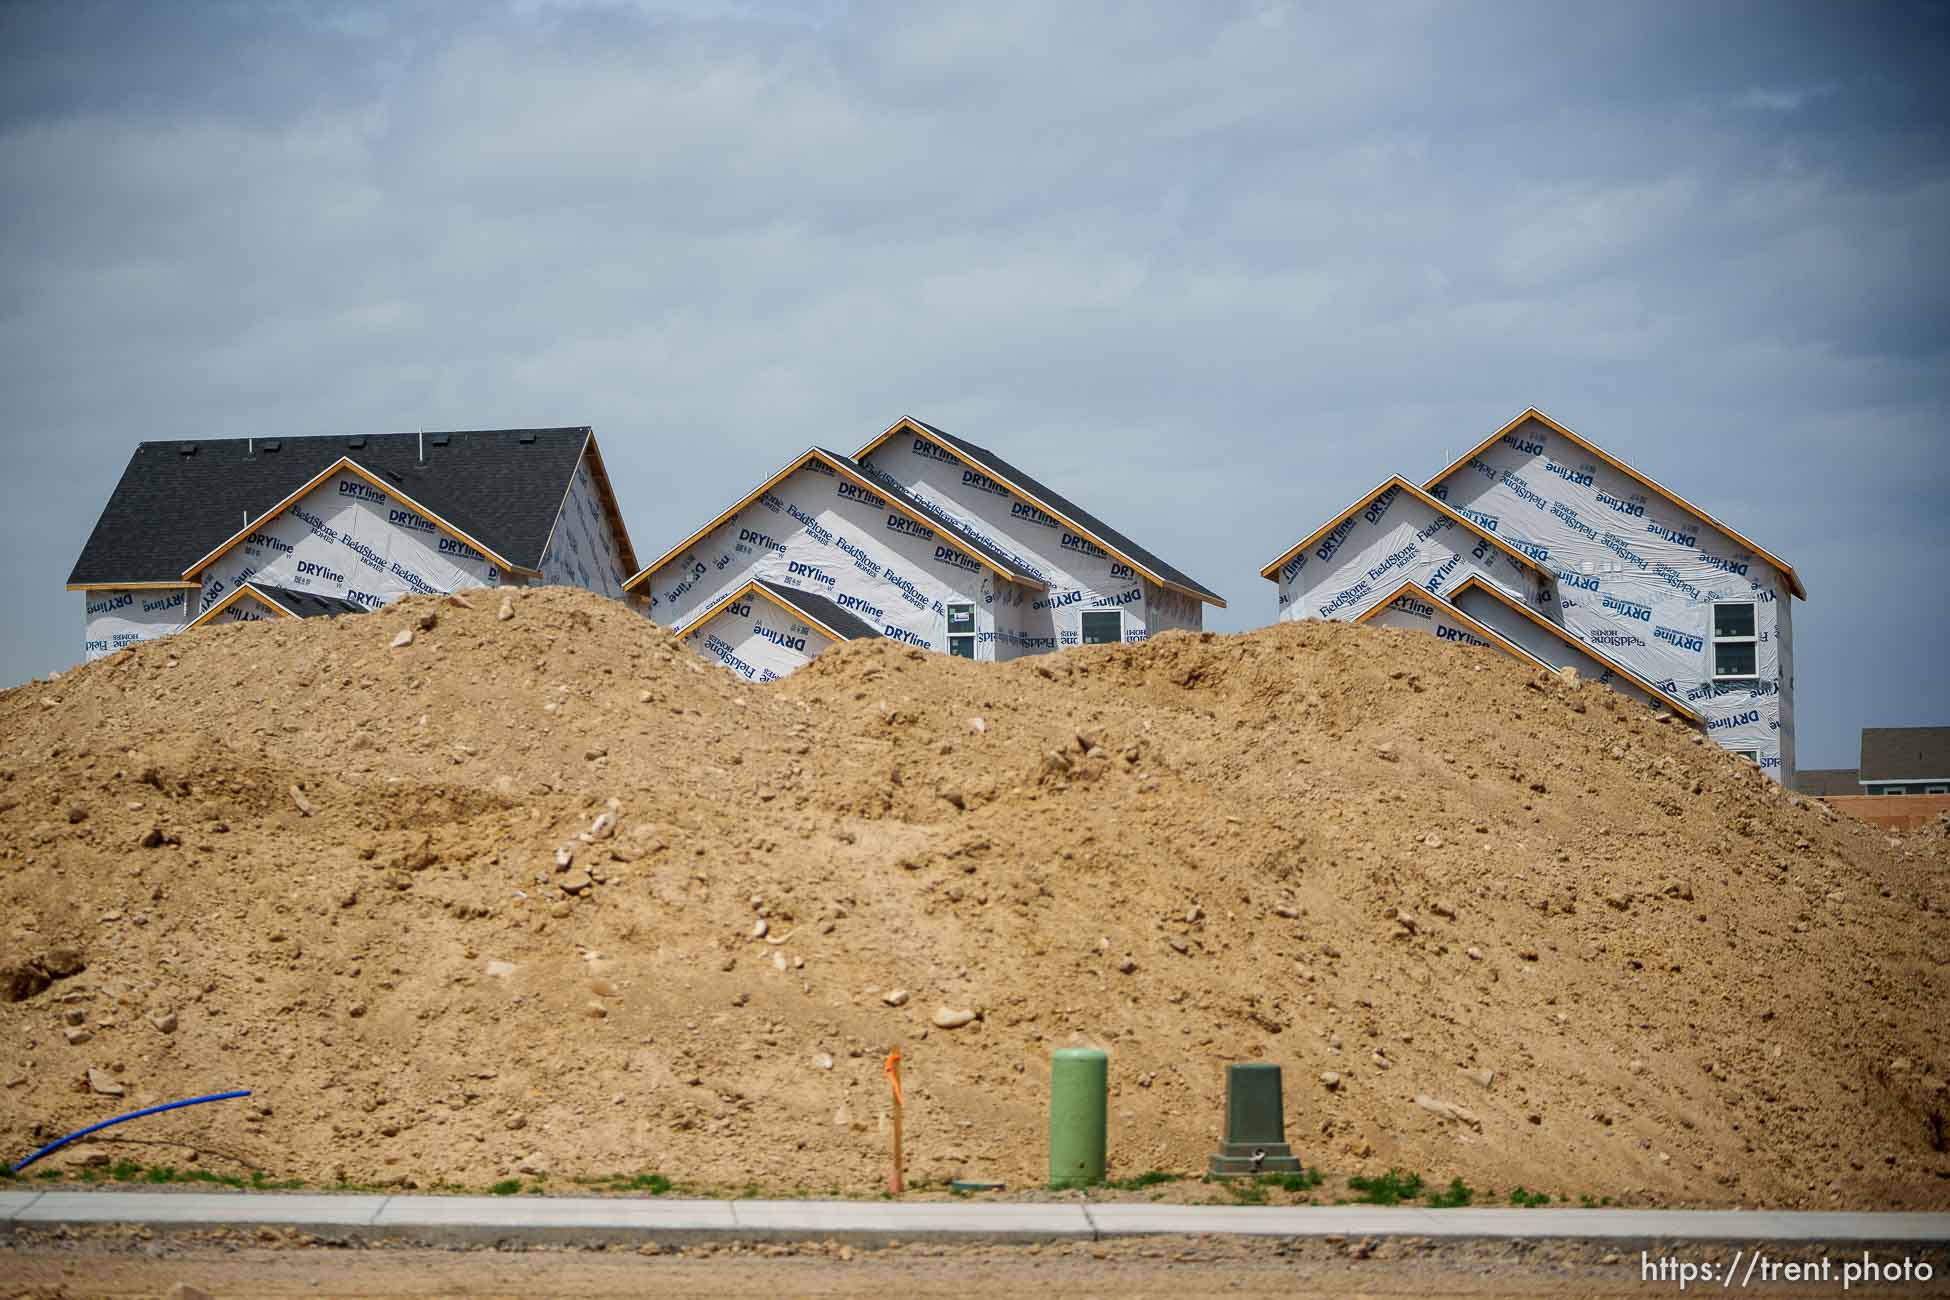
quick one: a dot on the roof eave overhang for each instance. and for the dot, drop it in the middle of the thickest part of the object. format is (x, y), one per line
(1450, 611)
(1475, 580)
(909, 425)
(243, 589)
(754, 588)
(1786, 570)
(174, 584)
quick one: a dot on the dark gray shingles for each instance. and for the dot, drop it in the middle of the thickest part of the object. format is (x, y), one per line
(307, 604)
(502, 487)
(1827, 780)
(819, 609)
(1905, 753)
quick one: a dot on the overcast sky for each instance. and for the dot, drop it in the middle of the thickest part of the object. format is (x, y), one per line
(1212, 269)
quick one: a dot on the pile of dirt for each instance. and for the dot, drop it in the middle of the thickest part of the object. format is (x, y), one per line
(1494, 924)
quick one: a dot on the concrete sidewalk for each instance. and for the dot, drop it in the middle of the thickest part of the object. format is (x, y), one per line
(667, 1220)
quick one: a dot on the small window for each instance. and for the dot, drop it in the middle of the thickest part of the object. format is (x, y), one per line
(1751, 755)
(961, 631)
(1103, 626)
(1936, 789)
(1736, 644)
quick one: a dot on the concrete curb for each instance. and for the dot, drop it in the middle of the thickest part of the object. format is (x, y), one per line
(636, 1220)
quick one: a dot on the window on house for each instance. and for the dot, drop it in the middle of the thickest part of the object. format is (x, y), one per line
(1751, 755)
(1936, 789)
(961, 631)
(1736, 644)
(1103, 626)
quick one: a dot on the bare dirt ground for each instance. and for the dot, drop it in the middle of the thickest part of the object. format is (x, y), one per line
(1495, 926)
(111, 1264)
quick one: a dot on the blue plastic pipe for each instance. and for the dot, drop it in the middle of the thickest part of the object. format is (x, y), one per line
(121, 1119)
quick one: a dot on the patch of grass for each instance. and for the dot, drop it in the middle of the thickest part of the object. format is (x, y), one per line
(48, 1175)
(1246, 1191)
(262, 1182)
(7, 1174)
(1518, 1196)
(1391, 1188)
(1591, 1203)
(1304, 1181)
(1456, 1195)
(506, 1187)
(1149, 1178)
(655, 1184)
(125, 1171)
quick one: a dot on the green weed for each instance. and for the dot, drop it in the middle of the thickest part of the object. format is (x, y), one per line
(1455, 1196)
(1518, 1196)
(1391, 1188)
(1149, 1178)
(506, 1187)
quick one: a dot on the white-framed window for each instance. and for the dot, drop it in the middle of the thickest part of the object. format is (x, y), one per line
(1103, 626)
(1936, 789)
(961, 630)
(1736, 641)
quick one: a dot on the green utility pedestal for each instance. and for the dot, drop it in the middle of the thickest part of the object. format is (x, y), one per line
(1079, 1102)
(1255, 1125)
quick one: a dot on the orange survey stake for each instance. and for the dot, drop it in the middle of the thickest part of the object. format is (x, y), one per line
(892, 1069)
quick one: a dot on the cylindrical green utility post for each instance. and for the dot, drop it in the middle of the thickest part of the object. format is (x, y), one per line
(1079, 1103)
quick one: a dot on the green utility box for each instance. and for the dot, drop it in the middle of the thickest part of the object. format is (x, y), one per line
(1255, 1140)
(1079, 1105)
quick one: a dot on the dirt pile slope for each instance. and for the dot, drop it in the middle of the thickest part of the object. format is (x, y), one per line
(1610, 959)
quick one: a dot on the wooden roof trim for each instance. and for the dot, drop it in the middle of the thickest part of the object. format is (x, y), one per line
(909, 424)
(379, 484)
(1441, 507)
(174, 585)
(243, 589)
(814, 453)
(1450, 611)
(1781, 566)
(1564, 635)
(756, 588)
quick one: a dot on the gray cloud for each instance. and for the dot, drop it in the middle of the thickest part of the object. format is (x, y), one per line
(1216, 270)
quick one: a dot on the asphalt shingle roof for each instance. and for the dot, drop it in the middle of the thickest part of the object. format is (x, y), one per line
(1827, 780)
(307, 604)
(821, 610)
(177, 501)
(1060, 504)
(1905, 753)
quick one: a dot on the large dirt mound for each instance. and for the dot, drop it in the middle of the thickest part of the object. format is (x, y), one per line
(1611, 959)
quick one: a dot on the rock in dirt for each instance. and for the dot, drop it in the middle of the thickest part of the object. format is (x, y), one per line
(76, 1036)
(895, 998)
(946, 1018)
(304, 805)
(404, 639)
(1330, 1080)
(1447, 1110)
(23, 981)
(104, 1083)
(507, 610)
(186, 1291)
(163, 1021)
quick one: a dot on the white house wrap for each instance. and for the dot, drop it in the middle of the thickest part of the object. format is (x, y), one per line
(922, 539)
(1667, 603)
